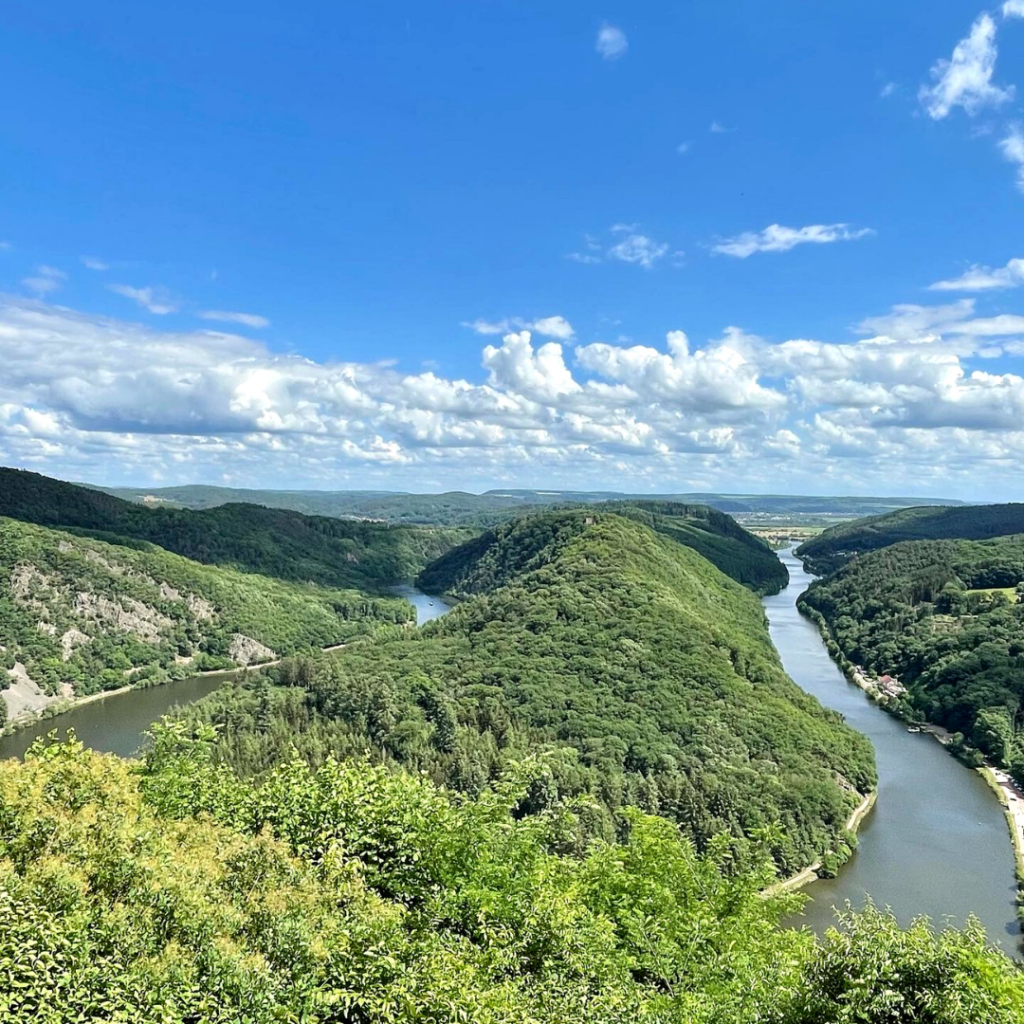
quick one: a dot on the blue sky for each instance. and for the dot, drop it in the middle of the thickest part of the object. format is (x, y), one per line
(452, 245)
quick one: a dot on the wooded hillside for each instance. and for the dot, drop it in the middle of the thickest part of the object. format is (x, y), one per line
(945, 618)
(838, 544)
(250, 538)
(79, 615)
(645, 672)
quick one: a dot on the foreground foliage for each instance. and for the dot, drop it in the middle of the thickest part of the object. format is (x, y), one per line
(646, 673)
(944, 617)
(173, 891)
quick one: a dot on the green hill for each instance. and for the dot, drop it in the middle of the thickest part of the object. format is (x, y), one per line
(644, 672)
(493, 558)
(838, 544)
(945, 618)
(250, 538)
(78, 615)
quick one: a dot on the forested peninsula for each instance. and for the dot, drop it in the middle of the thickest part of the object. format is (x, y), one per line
(644, 674)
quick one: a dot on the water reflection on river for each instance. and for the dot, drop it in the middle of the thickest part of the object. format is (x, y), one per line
(118, 723)
(936, 842)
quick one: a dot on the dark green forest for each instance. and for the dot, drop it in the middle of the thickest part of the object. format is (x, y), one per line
(645, 673)
(838, 544)
(492, 559)
(271, 542)
(174, 891)
(946, 618)
(79, 611)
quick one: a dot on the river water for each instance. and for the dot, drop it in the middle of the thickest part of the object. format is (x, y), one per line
(118, 723)
(936, 842)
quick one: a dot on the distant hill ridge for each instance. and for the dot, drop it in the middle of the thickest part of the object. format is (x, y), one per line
(270, 541)
(838, 544)
(493, 506)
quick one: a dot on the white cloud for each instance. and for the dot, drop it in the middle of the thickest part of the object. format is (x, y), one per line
(1013, 9)
(887, 90)
(611, 42)
(776, 238)
(4, 246)
(228, 317)
(548, 326)
(94, 264)
(156, 300)
(980, 278)
(587, 258)
(1012, 148)
(918, 398)
(45, 280)
(717, 129)
(684, 147)
(638, 249)
(966, 79)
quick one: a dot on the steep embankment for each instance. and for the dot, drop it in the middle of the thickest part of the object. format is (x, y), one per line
(644, 673)
(493, 558)
(838, 544)
(78, 615)
(250, 538)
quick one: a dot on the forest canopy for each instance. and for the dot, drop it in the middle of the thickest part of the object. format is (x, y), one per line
(945, 618)
(270, 542)
(176, 891)
(836, 545)
(646, 674)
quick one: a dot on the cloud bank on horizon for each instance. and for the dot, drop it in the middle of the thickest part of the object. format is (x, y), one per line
(908, 402)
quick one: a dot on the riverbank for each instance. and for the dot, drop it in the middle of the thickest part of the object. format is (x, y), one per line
(810, 873)
(1009, 795)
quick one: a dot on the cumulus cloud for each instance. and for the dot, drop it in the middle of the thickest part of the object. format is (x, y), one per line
(684, 147)
(917, 397)
(980, 278)
(776, 238)
(717, 129)
(1013, 9)
(965, 80)
(45, 280)
(228, 317)
(91, 263)
(611, 42)
(156, 300)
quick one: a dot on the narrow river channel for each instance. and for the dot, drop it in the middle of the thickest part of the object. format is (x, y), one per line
(936, 842)
(118, 724)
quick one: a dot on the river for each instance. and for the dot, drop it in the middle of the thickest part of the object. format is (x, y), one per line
(117, 724)
(936, 842)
